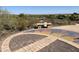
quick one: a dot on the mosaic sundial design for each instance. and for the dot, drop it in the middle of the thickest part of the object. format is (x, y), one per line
(38, 42)
(24, 40)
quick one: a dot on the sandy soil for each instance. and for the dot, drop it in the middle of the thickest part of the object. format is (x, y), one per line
(74, 28)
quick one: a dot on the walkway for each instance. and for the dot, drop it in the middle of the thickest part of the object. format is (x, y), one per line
(36, 41)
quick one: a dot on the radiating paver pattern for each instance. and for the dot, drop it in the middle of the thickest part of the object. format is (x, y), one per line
(42, 40)
(65, 32)
(24, 40)
(36, 46)
(59, 46)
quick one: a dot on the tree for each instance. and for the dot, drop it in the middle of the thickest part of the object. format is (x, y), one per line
(21, 22)
(74, 17)
(61, 16)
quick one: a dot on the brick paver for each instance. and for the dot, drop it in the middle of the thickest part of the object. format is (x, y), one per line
(36, 46)
(5, 45)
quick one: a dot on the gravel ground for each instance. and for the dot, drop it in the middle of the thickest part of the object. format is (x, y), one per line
(23, 40)
(59, 46)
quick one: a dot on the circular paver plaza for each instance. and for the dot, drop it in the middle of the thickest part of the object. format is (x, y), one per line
(37, 42)
(24, 40)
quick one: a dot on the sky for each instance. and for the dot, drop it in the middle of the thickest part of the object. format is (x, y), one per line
(41, 9)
